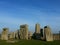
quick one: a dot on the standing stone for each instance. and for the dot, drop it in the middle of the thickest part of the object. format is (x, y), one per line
(4, 35)
(37, 31)
(48, 34)
(37, 28)
(30, 35)
(12, 36)
(41, 34)
(17, 36)
(24, 32)
(56, 36)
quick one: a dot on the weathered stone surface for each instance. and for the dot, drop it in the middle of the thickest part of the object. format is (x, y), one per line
(48, 34)
(37, 31)
(24, 32)
(56, 36)
(30, 35)
(37, 28)
(12, 36)
(42, 34)
(4, 35)
(17, 36)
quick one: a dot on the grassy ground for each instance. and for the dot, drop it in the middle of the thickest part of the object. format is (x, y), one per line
(30, 42)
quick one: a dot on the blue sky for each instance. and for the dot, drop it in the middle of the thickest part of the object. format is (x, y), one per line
(13, 13)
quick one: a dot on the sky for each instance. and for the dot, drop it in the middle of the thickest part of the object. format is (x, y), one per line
(14, 13)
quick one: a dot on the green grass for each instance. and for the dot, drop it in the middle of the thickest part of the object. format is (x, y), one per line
(30, 42)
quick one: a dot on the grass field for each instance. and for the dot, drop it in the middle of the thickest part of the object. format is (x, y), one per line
(30, 42)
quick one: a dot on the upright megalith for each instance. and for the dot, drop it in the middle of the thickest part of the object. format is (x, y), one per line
(37, 28)
(24, 32)
(48, 34)
(42, 34)
(4, 35)
(29, 35)
(12, 36)
(37, 31)
(17, 34)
